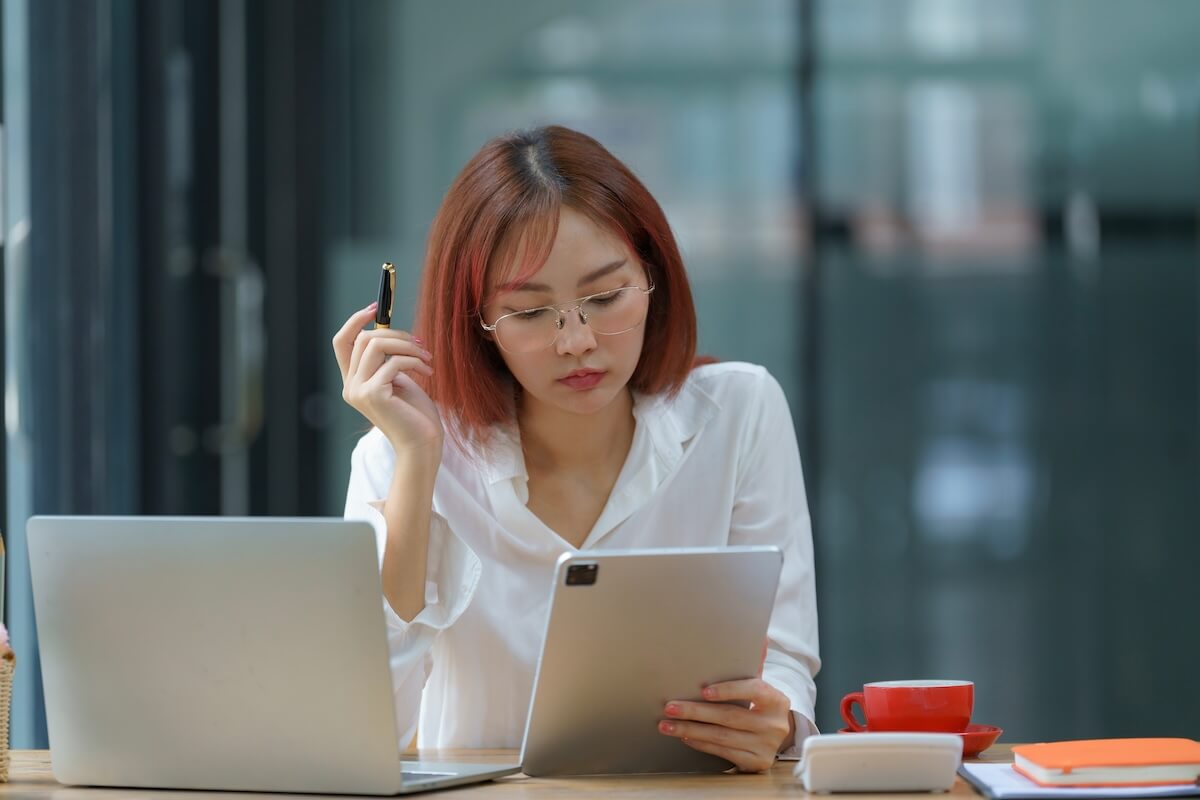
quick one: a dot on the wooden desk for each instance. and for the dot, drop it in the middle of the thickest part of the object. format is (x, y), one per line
(29, 778)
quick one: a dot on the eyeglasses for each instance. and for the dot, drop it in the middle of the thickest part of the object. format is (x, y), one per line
(606, 313)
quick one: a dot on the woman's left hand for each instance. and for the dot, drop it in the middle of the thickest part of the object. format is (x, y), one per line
(749, 737)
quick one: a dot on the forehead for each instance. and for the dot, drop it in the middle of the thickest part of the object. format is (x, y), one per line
(579, 246)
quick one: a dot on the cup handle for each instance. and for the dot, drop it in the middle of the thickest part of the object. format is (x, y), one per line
(848, 711)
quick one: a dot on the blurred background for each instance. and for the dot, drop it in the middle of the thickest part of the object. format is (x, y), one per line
(964, 235)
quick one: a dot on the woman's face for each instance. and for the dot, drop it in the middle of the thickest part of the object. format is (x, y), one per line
(582, 372)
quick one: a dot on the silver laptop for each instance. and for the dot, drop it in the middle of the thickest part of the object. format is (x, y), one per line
(220, 653)
(626, 632)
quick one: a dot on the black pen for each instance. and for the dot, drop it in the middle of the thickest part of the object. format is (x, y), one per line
(387, 295)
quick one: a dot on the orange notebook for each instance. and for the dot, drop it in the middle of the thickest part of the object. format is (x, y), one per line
(1110, 762)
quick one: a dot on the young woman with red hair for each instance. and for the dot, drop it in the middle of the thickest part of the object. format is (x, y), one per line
(548, 399)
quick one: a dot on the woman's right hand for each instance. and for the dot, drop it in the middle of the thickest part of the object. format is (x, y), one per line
(377, 367)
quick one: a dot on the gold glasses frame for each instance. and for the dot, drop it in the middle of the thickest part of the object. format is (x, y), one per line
(563, 309)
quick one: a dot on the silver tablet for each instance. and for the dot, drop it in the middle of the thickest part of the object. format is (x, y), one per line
(629, 630)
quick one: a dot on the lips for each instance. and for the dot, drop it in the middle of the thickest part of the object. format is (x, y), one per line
(582, 379)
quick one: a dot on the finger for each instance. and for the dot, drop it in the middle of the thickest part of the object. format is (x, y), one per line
(391, 379)
(378, 346)
(394, 366)
(726, 714)
(714, 734)
(755, 690)
(343, 340)
(366, 337)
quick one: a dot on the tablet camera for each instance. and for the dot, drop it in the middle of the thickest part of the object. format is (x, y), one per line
(582, 574)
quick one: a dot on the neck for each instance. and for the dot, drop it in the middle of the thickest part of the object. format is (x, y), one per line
(559, 440)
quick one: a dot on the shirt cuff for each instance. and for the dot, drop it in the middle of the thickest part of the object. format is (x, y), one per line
(451, 574)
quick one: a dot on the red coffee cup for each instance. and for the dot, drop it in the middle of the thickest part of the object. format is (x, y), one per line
(928, 705)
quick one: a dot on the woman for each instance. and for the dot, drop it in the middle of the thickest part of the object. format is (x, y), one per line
(554, 342)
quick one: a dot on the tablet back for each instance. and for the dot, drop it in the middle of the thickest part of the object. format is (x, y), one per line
(630, 630)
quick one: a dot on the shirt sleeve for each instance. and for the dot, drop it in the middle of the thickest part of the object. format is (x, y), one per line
(452, 573)
(771, 508)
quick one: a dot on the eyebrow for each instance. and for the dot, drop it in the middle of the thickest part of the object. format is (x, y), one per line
(595, 274)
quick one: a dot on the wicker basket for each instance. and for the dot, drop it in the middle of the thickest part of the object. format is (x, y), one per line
(8, 663)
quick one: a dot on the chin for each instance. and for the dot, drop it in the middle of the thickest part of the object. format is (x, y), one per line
(590, 404)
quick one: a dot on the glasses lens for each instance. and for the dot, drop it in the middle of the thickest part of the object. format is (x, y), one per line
(527, 331)
(617, 311)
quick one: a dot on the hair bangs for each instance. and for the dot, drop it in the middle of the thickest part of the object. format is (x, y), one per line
(522, 250)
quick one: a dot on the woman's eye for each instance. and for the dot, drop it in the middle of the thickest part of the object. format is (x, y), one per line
(607, 297)
(532, 313)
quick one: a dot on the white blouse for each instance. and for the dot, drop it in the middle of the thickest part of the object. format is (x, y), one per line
(716, 465)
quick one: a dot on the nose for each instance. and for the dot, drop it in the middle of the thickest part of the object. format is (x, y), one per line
(576, 337)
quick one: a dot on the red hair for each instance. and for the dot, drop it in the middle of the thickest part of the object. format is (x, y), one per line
(502, 210)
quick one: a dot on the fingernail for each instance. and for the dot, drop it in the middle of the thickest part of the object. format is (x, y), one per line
(372, 306)
(672, 710)
(709, 693)
(666, 727)
(419, 340)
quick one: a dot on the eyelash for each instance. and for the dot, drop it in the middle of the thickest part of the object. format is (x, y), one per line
(606, 298)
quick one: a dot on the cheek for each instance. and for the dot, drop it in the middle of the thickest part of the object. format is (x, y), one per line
(635, 347)
(524, 367)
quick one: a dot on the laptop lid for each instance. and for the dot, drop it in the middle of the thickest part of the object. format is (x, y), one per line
(214, 653)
